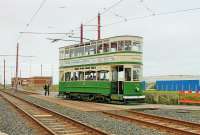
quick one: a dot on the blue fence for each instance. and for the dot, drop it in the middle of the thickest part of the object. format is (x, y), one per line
(176, 85)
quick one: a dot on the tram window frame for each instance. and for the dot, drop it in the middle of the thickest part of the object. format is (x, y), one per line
(90, 75)
(121, 45)
(87, 50)
(62, 54)
(136, 46)
(100, 48)
(105, 73)
(81, 51)
(113, 46)
(67, 76)
(127, 74)
(127, 45)
(81, 75)
(106, 47)
(74, 76)
(66, 53)
(71, 52)
(136, 74)
(93, 49)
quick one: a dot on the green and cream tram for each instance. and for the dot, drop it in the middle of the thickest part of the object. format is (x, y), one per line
(106, 69)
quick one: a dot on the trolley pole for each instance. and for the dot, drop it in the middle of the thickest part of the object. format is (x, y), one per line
(81, 34)
(17, 66)
(4, 73)
(99, 26)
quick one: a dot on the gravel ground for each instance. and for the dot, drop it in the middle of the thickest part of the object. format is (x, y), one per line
(98, 120)
(10, 122)
(193, 116)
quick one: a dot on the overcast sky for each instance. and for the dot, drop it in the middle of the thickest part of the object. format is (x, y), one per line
(171, 42)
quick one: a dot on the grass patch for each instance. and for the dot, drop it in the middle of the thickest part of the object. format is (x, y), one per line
(161, 97)
(168, 97)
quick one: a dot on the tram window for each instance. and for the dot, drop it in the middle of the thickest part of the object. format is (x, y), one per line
(80, 51)
(71, 52)
(105, 47)
(81, 75)
(99, 48)
(113, 47)
(67, 76)
(103, 75)
(127, 74)
(90, 75)
(135, 46)
(76, 52)
(136, 74)
(127, 46)
(67, 53)
(120, 45)
(87, 50)
(93, 50)
(74, 76)
(61, 54)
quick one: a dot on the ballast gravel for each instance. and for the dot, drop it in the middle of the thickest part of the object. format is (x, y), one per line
(187, 115)
(10, 122)
(97, 119)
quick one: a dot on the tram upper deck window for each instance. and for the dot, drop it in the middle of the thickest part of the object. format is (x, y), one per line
(76, 52)
(106, 47)
(62, 54)
(81, 51)
(113, 47)
(92, 49)
(120, 45)
(99, 48)
(136, 46)
(66, 53)
(71, 52)
(127, 45)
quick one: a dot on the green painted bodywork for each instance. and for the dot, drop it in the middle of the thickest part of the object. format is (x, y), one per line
(95, 87)
(102, 88)
(133, 88)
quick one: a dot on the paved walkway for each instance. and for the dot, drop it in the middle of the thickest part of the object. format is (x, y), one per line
(92, 106)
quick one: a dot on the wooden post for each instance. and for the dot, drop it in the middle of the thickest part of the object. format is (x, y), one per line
(17, 67)
(4, 73)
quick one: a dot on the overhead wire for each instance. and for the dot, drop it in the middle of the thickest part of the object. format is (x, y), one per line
(33, 17)
(152, 15)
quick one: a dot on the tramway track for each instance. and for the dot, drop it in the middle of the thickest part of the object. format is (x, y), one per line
(172, 126)
(53, 122)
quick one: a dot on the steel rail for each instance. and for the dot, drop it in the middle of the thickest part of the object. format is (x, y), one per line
(49, 131)
(156, 124)
(83, 126)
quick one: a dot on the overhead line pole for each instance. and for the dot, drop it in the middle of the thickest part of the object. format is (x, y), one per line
(17, 66)
(99, 26)
(81, 34)
(4, 73)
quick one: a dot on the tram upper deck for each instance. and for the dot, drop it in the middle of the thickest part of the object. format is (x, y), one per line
(114, 50)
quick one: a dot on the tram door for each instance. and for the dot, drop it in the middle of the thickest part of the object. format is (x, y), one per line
(118, 79)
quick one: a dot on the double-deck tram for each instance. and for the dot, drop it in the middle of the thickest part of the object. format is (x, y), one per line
(106, 69)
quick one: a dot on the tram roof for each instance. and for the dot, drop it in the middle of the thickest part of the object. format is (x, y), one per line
(122, 36)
